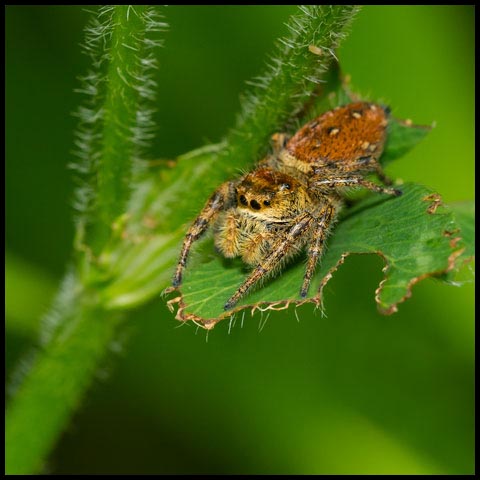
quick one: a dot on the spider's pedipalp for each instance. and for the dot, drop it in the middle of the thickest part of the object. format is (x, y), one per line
(284, 245)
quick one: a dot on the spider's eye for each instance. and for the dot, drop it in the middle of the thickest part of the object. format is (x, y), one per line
(255, 205)
(243, 200)
(266, 203)
(285, 186)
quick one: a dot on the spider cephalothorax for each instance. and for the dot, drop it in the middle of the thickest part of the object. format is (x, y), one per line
(271, 193)
(266, 201)
(292, 198)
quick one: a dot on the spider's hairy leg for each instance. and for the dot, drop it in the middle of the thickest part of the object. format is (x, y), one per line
(352, 181)
(282, 247)
(378, 188)
(319, 235)
(220, 199)
(381, 174)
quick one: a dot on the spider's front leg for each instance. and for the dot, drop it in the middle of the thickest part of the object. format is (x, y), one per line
(221, 199)
(320, 232)
(302, 225)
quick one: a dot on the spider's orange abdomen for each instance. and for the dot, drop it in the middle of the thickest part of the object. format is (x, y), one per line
(352, 134)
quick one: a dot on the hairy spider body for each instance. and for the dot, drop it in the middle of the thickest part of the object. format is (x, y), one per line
(291, 200)
(267, 201)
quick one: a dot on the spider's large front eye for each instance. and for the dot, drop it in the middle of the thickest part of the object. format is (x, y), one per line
(243, 200)
(255, 205)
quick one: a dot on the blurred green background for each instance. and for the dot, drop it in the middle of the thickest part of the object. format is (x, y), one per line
(355, 392)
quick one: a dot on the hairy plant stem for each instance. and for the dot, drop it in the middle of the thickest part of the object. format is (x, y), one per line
(53, 388)
(114, 130)
(294, 72)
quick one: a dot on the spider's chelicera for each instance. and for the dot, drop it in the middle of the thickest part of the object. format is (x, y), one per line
(291, 199)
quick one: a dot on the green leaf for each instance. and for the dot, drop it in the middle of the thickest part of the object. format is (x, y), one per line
(464, 213)
(462, 237)
(408, 232)
(402, 137)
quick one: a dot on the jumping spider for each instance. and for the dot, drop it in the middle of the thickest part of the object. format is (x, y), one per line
(292, 198)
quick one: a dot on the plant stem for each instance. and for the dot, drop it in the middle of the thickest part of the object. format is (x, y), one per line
(54, 385)
(294, 71)
(115, 121)
(115, 169)
(114, 129)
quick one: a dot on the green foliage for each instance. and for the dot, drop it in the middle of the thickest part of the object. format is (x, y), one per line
(463, 236)
(411, 237)
(401, 138)
(464, 213)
